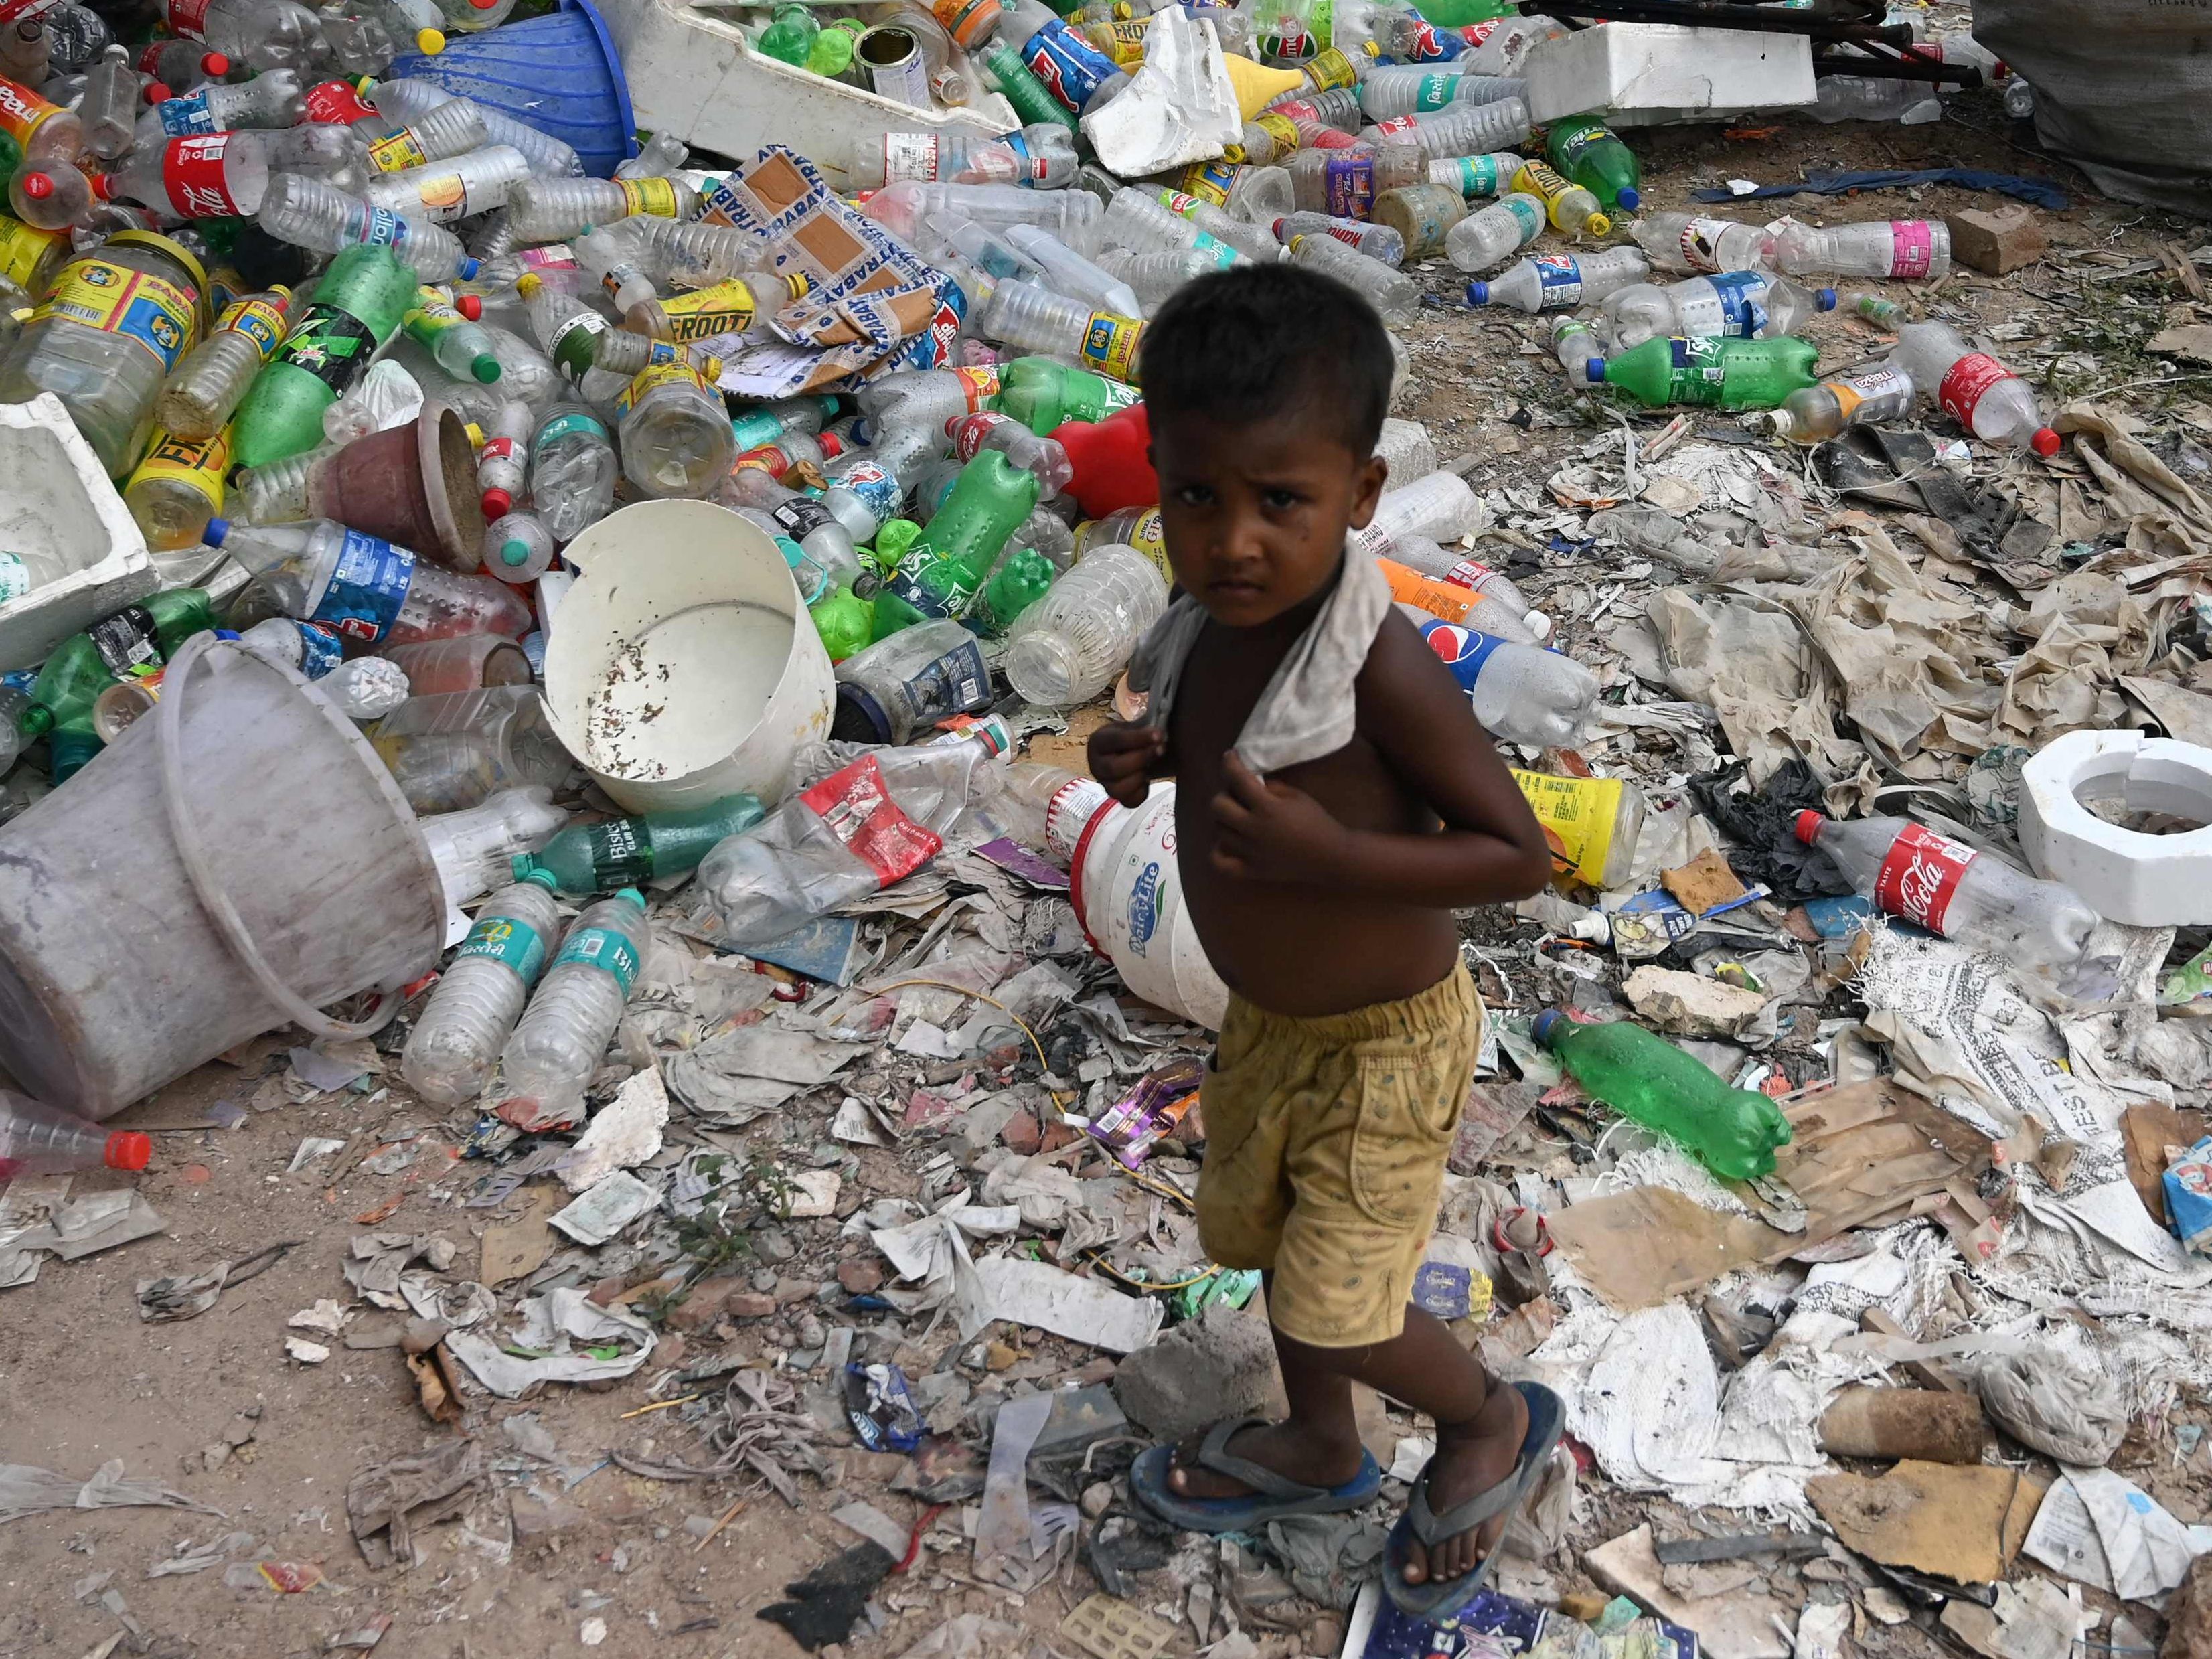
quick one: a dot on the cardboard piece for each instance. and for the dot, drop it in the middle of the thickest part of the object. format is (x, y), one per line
(1745, 1624)
(519, 1246)
(2145, 1134)
(1649, 1244)
(1705, 883)
(1868, 1151)
(1965, 1524)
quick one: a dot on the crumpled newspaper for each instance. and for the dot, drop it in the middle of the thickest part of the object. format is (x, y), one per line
(25, 1489)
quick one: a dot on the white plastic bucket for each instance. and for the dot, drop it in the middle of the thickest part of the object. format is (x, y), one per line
(682, 667)
(236, 860)
(1129, 896)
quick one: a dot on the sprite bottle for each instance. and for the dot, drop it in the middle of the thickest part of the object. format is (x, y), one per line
(1586, 151)
(944, 568)
(1043, 394)
(619, 853)
(358, 306)
(1714, 372)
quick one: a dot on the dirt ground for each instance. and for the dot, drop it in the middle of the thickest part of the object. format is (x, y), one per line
(84, 1381)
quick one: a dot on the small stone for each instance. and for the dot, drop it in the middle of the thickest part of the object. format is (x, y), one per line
(860, 1276)
(1058, 1134)
(811, 1333)
(695, 1312)
(797, 1290)
(1583, 1605)
(604, 1293)
(748, 1304)
(1098, 1497)
(422, 1335)
(770, 1245)
(1023, 1134)
(1100, 1369)
(1325, 1634)
(239, 1433)
(670, 1351)
(765, 1280)
(1996, 241)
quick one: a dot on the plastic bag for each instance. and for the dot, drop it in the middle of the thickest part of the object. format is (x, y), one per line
(2058, 1401)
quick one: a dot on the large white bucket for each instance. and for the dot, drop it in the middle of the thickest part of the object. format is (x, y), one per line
(683, 667)
(1128, 896)
(238, 860)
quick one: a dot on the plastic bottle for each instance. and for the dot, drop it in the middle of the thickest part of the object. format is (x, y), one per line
(1044, 459)
(730, 307)
(369, 591)
(518, 548)
(1867, 98)
(1078, 76)
(928, 157)
(222, 174)
(308, 649)
(1864, 395)
(387, 396)
(1032, 99)
(1558, 281)
(1035, 320)
(1892, 250)
(1477, 175)
(572, 471)
(42, 131)
(52, 197)
(674, 431)
(1451, 601)
(1460, 130)
(619, 853)
(475, 847)
(206, 387)
(104, 359)
(1520, 694)
(1973, 388)
(1586, 151)
(1483, 240)
(676, 253)
(268, 35)
(1396, 297)
(502, 463)
(459, 345)
(177, 488)
(1575, 343)
(25, 52)
(1716, 374)
(357, 307)
(1376, 241)
(1338, 107)
(1245, 195)
(464, 662)
(1570, 207)
(37, 1139)
(1071, 274)
(547, 1063)
(1443, 506)
(805, 519)
(109, 106)
(1389, 90)
(1344, 183)
(274, 100)
(1417, 552)
(174, 63)
(1066, 648)
(1743, 305)
(1693, 241)
(1732, 1132)
(453, 128)
(130, 642)
(1135, 220)
(1044, 395)
(404, 100)
(445, 192)
(550, 209)
(661, 156)
(943, 570)
(1910, 870)
(313, 214)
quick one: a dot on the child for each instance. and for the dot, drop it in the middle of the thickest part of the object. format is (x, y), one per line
(1336, 803)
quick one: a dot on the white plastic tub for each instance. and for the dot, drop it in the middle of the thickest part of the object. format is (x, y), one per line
(61, 504)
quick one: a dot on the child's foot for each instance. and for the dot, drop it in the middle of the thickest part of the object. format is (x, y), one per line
(1289, 1449)
(1471, 1458)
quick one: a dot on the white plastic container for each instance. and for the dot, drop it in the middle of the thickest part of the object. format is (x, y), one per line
(685, 608)
(1127, 894)
(1645, 73)
(63, 507)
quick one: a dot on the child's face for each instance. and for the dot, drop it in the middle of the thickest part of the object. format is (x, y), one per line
(1254, 517)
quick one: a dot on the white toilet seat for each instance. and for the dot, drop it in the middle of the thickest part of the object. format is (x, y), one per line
(2125, 876)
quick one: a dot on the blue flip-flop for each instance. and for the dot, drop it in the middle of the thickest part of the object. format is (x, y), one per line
(1272, 1496)
(1420, 1524)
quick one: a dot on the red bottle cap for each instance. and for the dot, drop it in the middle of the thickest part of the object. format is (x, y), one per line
(103, 186)
(496, 503)
(214, 65)
(2045, 442)
(129, 1150)
(1809, 827)
(469, 306)
(831, 449)
(155, 93)
(37, 186)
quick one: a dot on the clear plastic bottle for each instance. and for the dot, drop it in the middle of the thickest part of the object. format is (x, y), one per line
(1338, 107)
(1396, 297)
(518, 548)
(674, 431)
(1891, 250)
(1250, 237)
(1344, 183)
(681, 253)
(174, 63)
(1442, 564)
(25, 52)
(1484, 239)
(223, 174)
(802, 518)
(1477, 175)
(1696, 242)
(1868, 97)
(1863, 395)
(1443, 506)
(1555, 282)
(274, 100)
(1521, 693)
(404, 100)
(1041, 457)
(1910, 870)
(524, 372)
(1067, 648)
(206, 387)
(547, 1063)
(1743, 305)
(905, 685)
(368, 590)
(446, 192)
(313, 214)
(268, 35)
(502, 463)
(385, 397)
(37, 1139)
(466, 662)
(1575, 343)
(1973, 388)
(1071, 274)
(1046, 157)
(1463, 129)
(453, 128)
(109, 107)
(1154, 277)
(1376, 241)
(1071, 215)
(661, 156)
(54, 196)
(475, 849)
(1135, 221)
(572, 471)
(552, 209)
(277, 492)
(1035, 320)
(929, 398)
(458, 1039)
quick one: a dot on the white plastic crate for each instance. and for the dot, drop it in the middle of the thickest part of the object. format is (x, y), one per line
(59, 503)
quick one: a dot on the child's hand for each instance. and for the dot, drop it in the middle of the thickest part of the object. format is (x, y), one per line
(1122, 756)
(1271, 832)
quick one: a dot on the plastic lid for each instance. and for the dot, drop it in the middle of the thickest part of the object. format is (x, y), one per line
(831, 449)
(524, 866)
(475, 435)
(216, 530)
(128, 1150)
(633, 895)
(214, 62)
(228, 634)
(496, 503)
(485, 367)
(858, 717)
(38, 185)
(1478, 293)
(103, 186)
(1547, 1023)
(2045, 442)
(155, 93)
(1594, 369)
(1823, 298)
(1808, 826)
(514, 551)
(430, 43)
(469, 269)
(470, 306)
(35, 721)
(528, 284)
(1629, 199)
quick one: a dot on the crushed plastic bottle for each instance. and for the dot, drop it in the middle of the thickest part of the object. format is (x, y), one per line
(1697, 242)
(1864, 395)
(1742, 305)
(1558, 281)
(1888, 250)
(1732, 1132)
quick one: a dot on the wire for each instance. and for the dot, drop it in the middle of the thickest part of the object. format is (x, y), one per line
(1098, 1260)
(981, 996)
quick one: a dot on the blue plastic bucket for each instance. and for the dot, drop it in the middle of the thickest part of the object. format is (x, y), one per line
(561, 73)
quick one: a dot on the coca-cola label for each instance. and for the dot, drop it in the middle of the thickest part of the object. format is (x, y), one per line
(188, 17)
(1469, 574)
(192, 173)
(335, 103)
(1919, 874)
(855, 807)
(1964, 382)
(368, 587)
(1397, 124)
(1912, 249)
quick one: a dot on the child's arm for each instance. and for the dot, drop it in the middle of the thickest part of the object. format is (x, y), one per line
(1490, 850)
(1126, 757)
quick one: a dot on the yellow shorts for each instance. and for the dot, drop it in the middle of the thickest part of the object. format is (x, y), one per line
(1324, 1148)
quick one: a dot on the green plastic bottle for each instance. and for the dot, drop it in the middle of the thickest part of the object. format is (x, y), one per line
(358, 304)
(1589, 152)
(790, 35)
(1028, 94)
(1732, 1132)
(1458, 14)
(893, 537)
(620, 852)
(846, 622)
(831, 54)
(1020, 582)
(137, 640)
(1718, 373)
(1043, 394)
(943, 571)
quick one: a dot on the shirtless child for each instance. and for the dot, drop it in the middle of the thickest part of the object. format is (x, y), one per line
(1336, 803)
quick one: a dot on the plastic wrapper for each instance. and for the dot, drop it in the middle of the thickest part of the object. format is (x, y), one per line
(1148, 1112)
(881, 1408)
(2060, 1401)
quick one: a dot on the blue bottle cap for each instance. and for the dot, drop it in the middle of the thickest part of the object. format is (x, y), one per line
(1629, 198)
(1595, 368)
(1825, 300)
(217, 532)
(469, 269)
(1478, 293)
(1546, 1024)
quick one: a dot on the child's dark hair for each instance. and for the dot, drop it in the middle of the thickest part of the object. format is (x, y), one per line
(1261, 341)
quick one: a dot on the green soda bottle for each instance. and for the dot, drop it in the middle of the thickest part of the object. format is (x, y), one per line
(846, 622)
(137, 640)
(619, 853)
(1020, 582)
(892, 540)
(943, 571)
(1043, 394)
(1031, 101)
(1732, 1132)
(1458, 14)
(790, 35)
(1587, 150)
(831, 54)
(1718, 373)
(358, 304)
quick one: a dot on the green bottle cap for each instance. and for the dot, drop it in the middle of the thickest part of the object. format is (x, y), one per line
(633, 895)
(524, 866)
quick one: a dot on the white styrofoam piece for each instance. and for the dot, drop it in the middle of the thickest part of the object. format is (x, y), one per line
(691, 73)
(60, 503)
(1646, 73)
(2125, 876)
(1180, 107)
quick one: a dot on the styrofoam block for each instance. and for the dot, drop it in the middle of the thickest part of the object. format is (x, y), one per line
(60, 503)
(1644, 73)
(2124, 875)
